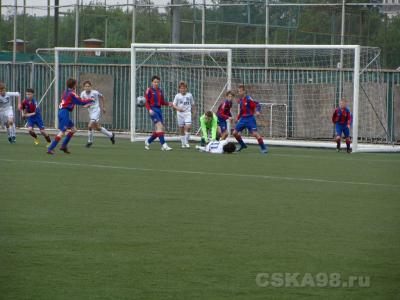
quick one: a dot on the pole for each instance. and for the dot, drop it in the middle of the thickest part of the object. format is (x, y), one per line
(106, 26)
(56, 82)
(266, 30)
(341, 50)
(15, 32)
(134, 22)
(14, 45)
(133, 93)
(194, 22)
(76, 29)
(356, 92)
(23, 26)
(56, 10)
(0, 19)
(176, 22)
(203, 22)
(48, 23)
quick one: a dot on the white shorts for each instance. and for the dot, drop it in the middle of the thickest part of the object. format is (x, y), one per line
(184, 118)
(6, 114)
(94, 114)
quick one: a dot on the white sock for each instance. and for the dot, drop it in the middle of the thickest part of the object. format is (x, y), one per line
(106, 132)
(187, 136)
(183, 140)
(9, 131)
(90, 136)
(13, 130)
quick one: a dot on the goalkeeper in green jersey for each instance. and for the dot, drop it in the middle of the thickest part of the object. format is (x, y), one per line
(208, 122)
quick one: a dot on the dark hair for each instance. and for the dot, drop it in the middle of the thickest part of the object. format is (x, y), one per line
(230, 93)
(229, 148)
(30, 90)
(182, 83)
(87, 82)
(2, 86)
(155, 77)
(71, 83)
(209, 114)
(241, 86)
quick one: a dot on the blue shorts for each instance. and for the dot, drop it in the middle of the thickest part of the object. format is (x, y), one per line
(246, 122)
(35, 120)
(342, 129)
(157, 116)
(222, 124)
(64, 122)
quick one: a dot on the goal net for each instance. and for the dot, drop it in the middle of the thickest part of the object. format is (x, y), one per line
(298, 87)
(205, 71)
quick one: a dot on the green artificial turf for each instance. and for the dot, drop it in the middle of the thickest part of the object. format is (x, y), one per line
(119, 222)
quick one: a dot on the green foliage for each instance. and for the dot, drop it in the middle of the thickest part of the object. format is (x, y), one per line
(225, 24)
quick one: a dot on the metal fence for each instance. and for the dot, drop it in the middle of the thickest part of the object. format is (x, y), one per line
(285, 87)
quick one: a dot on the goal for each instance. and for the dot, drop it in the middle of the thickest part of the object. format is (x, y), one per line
(299, 86)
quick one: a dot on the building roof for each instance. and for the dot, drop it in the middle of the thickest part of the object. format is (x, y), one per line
(18, 41)
(93, 40)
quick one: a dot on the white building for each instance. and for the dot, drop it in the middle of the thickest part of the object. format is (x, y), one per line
(391, 10)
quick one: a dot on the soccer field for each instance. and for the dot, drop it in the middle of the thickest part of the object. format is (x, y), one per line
(119, 222)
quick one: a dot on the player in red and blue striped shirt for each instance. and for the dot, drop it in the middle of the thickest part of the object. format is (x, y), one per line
(68, 101)
(31, 111)
(224, 114)
(154, 100)
(248, 108)
(342, 120)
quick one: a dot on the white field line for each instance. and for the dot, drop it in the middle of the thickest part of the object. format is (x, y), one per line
(254, 176)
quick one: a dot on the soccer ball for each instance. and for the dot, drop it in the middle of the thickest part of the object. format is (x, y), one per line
(140, 101)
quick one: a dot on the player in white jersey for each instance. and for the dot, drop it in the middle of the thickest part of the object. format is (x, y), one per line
(95, 112)
(218, 147)
(7, 111)
(184, 105)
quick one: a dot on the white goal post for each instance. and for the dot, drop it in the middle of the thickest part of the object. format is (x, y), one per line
(344, 58)
(289, 81)
(150, 51)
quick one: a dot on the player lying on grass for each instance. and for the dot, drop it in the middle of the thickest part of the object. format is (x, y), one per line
(247, 109)
(31, 111)
(342, 120)
(184, 105)
(218, 147)
(7, 111)
(95, 111)
(154, 100)
(68, 101)
(208, 122)
(224, 114)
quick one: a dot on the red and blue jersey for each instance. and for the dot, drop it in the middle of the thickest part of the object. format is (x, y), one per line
(69, 99)
(224, 110)
(154, 98)
(342, 116)
(248, 107)
(30, 106)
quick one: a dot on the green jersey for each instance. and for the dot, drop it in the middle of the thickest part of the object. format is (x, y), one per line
(212, 125)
